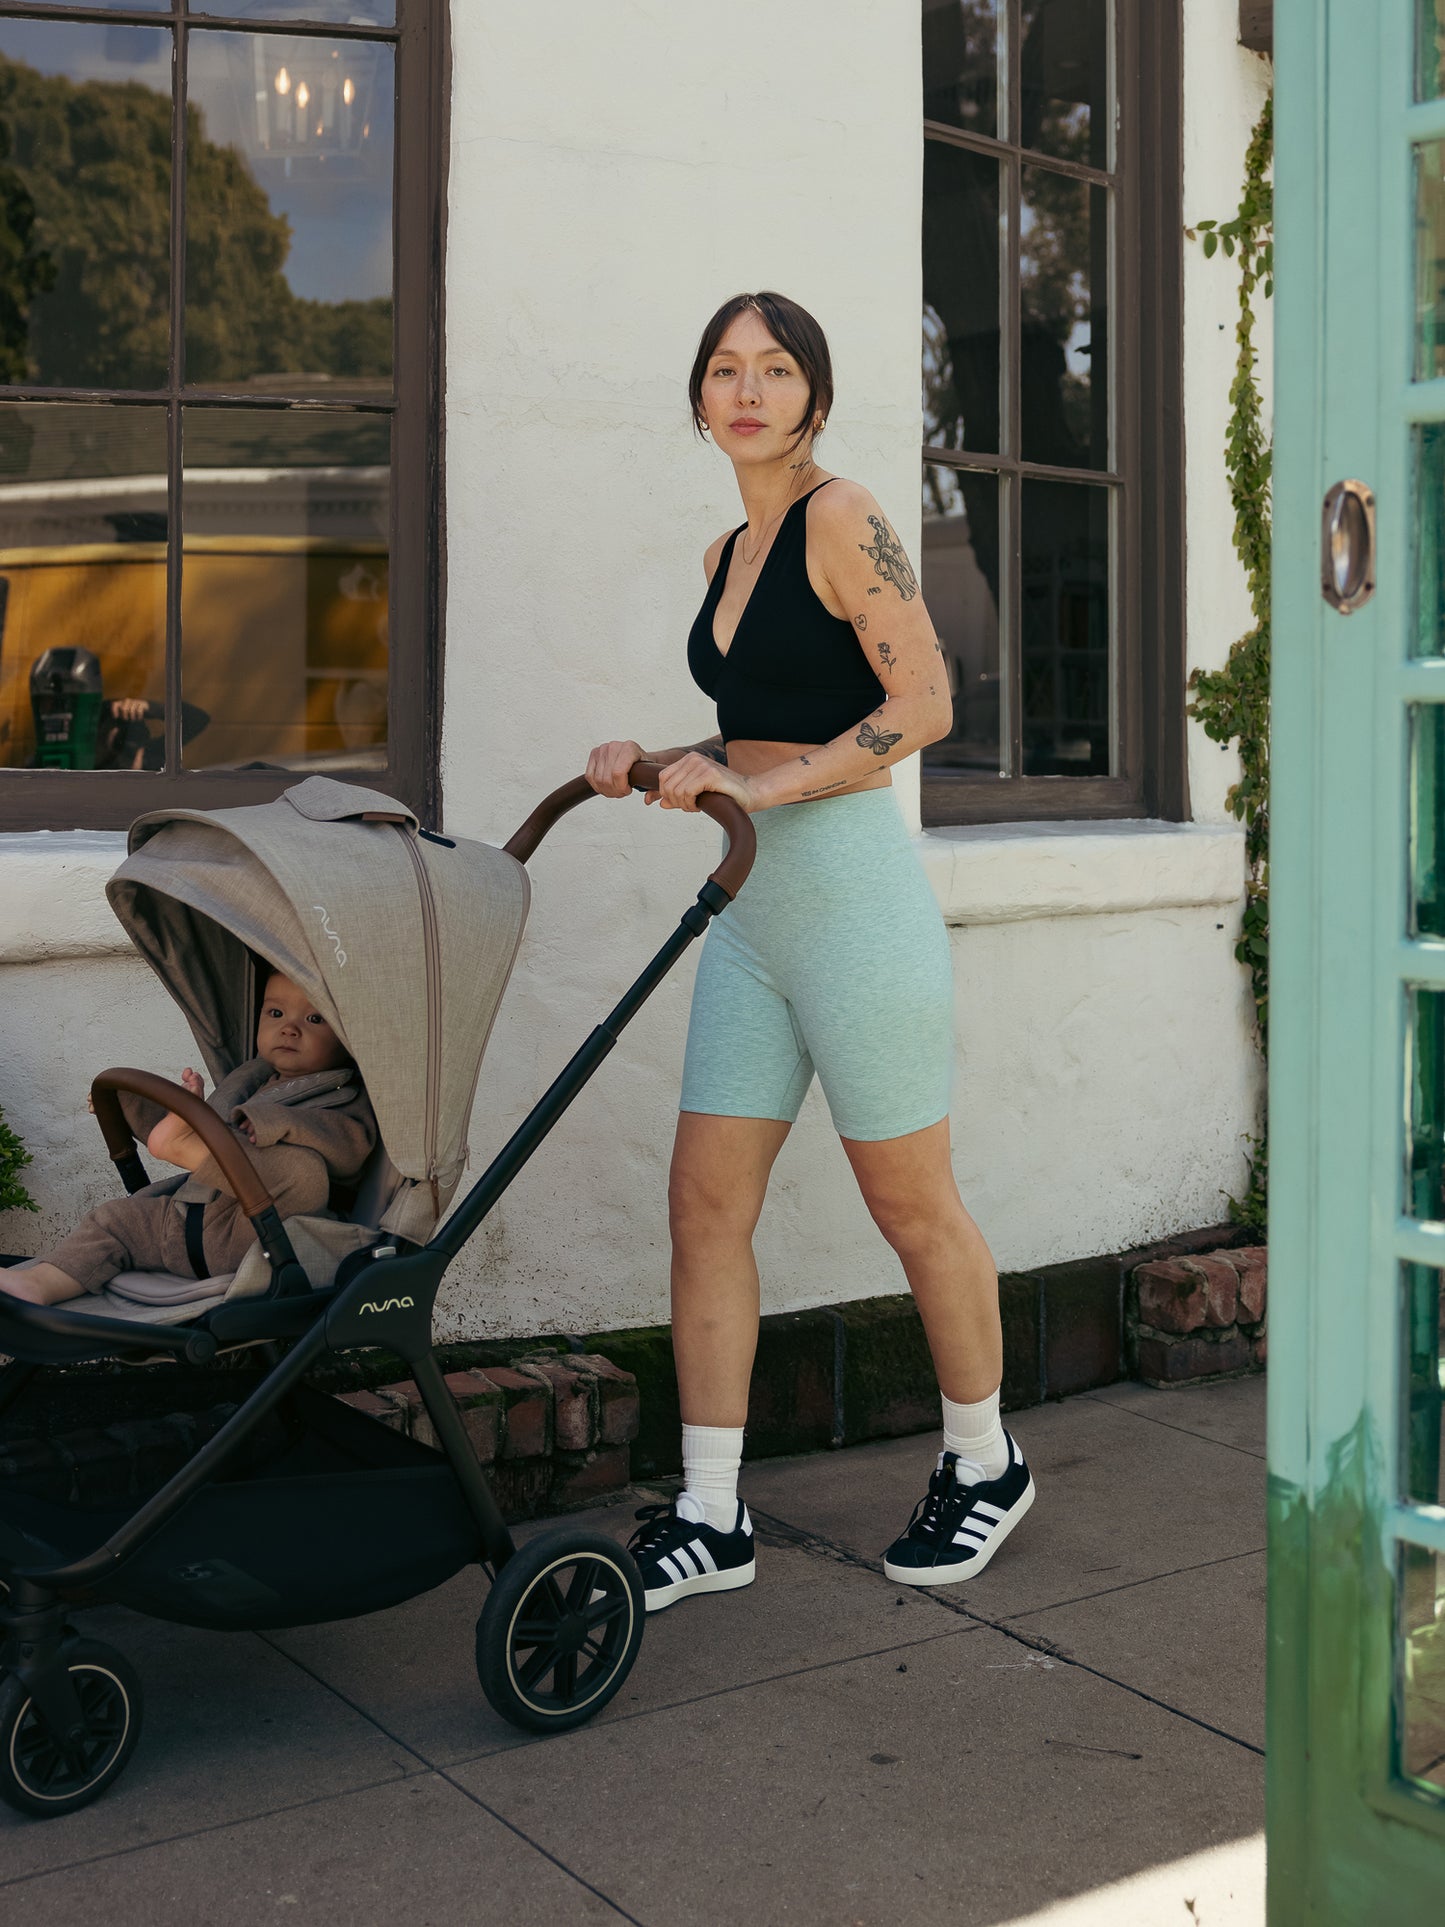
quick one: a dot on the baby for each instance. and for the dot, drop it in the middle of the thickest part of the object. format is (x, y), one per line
(301, 1108)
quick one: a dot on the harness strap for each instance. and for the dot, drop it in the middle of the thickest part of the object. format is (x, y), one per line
(195, 1245)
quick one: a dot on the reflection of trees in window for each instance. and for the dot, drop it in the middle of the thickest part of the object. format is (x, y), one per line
(26, 269)
(1057, 250)
(941, 413)
(94, 160)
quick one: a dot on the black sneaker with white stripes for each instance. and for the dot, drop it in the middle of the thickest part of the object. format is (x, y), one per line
(956, 1529)
(679, 1553)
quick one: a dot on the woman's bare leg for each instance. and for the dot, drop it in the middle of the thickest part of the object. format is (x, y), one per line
(39, 1284)
(910, 1190)
(719, 1178)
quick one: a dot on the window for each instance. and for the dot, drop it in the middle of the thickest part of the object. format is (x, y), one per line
(1052, 460)
(220, 247)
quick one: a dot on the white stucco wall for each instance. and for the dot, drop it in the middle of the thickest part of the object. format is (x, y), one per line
(616, 173)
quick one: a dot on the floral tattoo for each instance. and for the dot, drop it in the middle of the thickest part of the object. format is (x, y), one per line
(889, 561)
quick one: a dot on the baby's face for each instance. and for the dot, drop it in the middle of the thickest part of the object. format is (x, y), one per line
(293, 1036)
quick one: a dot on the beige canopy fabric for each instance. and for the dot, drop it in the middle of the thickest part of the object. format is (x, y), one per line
(403, 943)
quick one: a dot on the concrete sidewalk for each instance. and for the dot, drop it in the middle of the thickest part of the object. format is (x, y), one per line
(824, 1748)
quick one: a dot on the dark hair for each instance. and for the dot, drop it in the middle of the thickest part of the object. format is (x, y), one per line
(792, 328)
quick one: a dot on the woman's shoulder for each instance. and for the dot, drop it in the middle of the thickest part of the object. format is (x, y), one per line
(839, 502)
(712, 555)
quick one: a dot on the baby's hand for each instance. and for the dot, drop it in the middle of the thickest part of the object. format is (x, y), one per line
(194, 1082)
(247, 1129)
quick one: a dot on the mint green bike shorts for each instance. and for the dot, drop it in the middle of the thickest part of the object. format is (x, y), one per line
(833, 958)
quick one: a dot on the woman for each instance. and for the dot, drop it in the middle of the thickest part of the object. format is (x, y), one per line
(815, 643)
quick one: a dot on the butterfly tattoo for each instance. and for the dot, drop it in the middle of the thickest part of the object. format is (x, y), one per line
(880, 741)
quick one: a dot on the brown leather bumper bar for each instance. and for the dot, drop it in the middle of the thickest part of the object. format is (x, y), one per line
(729, 875)
(242, 1178)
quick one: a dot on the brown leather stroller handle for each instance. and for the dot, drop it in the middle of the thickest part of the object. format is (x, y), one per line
(729, 875)
(522, 842)
(732, 872)
(242, 1177)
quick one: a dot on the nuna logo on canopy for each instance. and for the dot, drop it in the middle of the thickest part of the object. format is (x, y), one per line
(332, 936)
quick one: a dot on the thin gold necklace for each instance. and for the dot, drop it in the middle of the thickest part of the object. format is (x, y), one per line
(749, 560)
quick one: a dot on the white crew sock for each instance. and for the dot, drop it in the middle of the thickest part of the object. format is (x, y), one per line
(711, 1455)
(976, 1435)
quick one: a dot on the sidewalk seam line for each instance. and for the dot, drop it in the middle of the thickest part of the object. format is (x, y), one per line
(721, 1692)
(1170, 1426)
(1036, 1642)
(443, 1774)
(1029, 1612)
(216, 1826)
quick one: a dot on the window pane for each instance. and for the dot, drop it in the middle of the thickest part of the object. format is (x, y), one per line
(1429, 260)
(85, 204)
(289, 228)
(1427, 573)
(1064, 79)
(284, 587)
(82, 586)
(960, 587)
(1420, 1648)
(1065, 630)
(1429, 49)
(962, 45)
(962, 238)
(1425, 1085)
(1063, 299)
(340, 13)
(1424, 1314)
(1427, 821)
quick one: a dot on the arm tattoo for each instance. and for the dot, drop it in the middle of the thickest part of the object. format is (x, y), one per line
(806, 759)
(880, 741)
(860, 622)
(887, 657)
(826, 787)
(872, 591)
(889, 561)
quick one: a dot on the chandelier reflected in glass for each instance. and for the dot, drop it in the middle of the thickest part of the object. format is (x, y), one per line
(313, 99)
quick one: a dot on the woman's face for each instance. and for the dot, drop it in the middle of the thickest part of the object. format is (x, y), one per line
(754, 394)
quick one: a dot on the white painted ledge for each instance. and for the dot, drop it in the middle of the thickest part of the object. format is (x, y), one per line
(52, 895)
(1010, 872)
(52, 882)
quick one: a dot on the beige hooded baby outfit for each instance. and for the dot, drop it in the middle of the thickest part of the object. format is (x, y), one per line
(312, 1133)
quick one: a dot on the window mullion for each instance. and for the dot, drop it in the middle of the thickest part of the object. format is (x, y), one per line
(1011, 374)
(175, 507)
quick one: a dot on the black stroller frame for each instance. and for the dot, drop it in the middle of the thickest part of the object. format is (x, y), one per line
(563, 1619)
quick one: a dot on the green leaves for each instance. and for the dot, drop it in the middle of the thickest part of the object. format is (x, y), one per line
(1232, 704)
(13, 1158)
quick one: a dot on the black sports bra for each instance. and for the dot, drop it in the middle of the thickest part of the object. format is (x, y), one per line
(793, 673)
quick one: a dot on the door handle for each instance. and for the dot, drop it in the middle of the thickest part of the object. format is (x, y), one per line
(1347, 546)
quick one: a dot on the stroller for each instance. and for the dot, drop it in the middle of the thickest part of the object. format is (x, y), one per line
(301, 1508)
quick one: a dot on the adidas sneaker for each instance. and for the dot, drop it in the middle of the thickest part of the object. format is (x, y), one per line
(957, 1528)
(679, 1553)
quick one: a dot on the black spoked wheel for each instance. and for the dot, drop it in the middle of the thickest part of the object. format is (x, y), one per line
(560, 1630)
(45, 1774)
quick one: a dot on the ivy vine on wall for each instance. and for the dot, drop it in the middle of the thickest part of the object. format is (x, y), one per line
(1233, 703)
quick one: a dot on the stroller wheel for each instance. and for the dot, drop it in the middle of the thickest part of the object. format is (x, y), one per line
(42, 1775)
(560, 1630)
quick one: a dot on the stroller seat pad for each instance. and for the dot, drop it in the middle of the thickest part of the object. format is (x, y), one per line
(166, 1287)
(169, 1300)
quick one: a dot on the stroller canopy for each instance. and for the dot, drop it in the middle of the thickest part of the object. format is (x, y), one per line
(404, 943)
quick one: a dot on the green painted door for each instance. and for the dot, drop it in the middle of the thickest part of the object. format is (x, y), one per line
(1356, 1766)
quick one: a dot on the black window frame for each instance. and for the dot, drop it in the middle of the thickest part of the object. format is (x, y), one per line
(1147, 476)
(110, 799)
